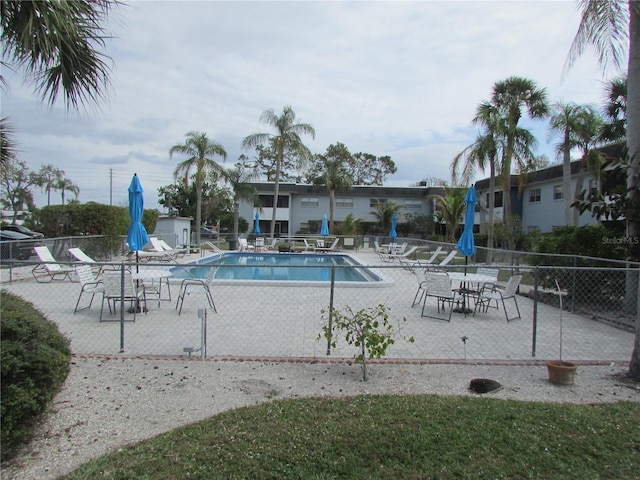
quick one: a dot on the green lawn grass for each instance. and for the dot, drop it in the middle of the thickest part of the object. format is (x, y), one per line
(391, 437)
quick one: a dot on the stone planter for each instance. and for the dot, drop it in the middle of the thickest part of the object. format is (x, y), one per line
(561, 372)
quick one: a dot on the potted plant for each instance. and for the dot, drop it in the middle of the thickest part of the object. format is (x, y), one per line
(561, 372)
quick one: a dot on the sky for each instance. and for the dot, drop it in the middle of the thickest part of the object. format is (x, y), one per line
(388, 78)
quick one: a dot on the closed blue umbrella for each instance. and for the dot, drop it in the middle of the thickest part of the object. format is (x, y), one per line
(324, 228)
(136, 235)
(466, 245)
(394, 219)
(256, 227)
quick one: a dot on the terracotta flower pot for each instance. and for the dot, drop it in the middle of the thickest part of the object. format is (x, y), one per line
(561, 372)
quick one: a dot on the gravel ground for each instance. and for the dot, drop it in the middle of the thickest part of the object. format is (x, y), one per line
(106, 404)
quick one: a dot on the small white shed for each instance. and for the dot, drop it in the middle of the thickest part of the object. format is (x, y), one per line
(176, 231)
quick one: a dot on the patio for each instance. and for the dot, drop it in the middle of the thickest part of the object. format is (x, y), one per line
(283, 321)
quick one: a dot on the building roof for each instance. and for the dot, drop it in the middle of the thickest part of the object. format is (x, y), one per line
(357, 190)
(610, 152)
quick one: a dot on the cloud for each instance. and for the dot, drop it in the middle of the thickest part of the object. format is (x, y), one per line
(388, 78)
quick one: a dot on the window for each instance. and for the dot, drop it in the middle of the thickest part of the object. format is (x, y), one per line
(344, 202)
(373, 203)
(534, 195)
(311, 202)
(557, 192)
(413, 204)
(497, 199)
(266, 201)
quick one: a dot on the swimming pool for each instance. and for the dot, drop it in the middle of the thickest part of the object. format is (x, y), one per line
(280, 267)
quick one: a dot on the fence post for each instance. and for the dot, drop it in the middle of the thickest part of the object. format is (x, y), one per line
(333, 282)
(122, 307)
(573, 283)
(534, 334)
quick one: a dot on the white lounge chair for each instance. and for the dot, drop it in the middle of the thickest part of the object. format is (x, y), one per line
(81, 256)
(332, 248)
(49, 270)
(390, 257)
(411, 264)
(213, 247)
(161, 246)
(244, 245)
(448, 258)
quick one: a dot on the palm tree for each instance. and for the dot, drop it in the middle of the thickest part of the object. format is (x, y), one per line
(48, 179)
(610, 26)
(450, 209)
(485, 150)
(383, 213)
(286, 138)
(615, 111)
(350, 225)
(565, 121)
(239, 179)
(589, 128)
(334, 176)
(8, 147)
(55, 44)
(200, 149)
(66, 185)
(510, 96)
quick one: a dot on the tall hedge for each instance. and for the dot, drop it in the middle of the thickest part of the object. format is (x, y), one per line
(90, 219)
(35, 363)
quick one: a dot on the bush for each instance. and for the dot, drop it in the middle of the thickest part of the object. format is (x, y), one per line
(35, 364)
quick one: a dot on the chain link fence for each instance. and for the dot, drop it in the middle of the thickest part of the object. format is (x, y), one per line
(283, 319)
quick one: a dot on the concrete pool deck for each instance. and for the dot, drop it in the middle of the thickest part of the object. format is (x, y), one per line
(285, 322)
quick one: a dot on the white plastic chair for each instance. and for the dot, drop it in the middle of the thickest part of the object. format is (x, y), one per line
(88, 284)
(204, 283)
(114, 292)
(437, 285)
(486, 296)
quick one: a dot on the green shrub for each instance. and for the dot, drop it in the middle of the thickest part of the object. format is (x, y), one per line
(35, 364)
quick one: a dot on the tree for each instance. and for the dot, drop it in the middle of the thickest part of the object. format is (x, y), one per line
(367, 169)
(615, 111)
(57, 45)
(611, 26)
(329, 170)
(485, 151)
(16, 185)
(47, 178)
(266, 163)
(567, 121)
(450, 210)
(510, 96)
(239, 179)
(350, 225)
(8, 147)
(286, 138)
(66, 185)
(383, 212)
(199, 148)
(590, 125)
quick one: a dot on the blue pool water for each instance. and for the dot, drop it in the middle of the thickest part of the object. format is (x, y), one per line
(296, 267)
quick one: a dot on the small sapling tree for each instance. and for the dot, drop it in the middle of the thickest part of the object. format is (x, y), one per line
(368, 329)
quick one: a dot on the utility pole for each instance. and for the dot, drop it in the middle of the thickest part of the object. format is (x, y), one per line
(111, 187)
